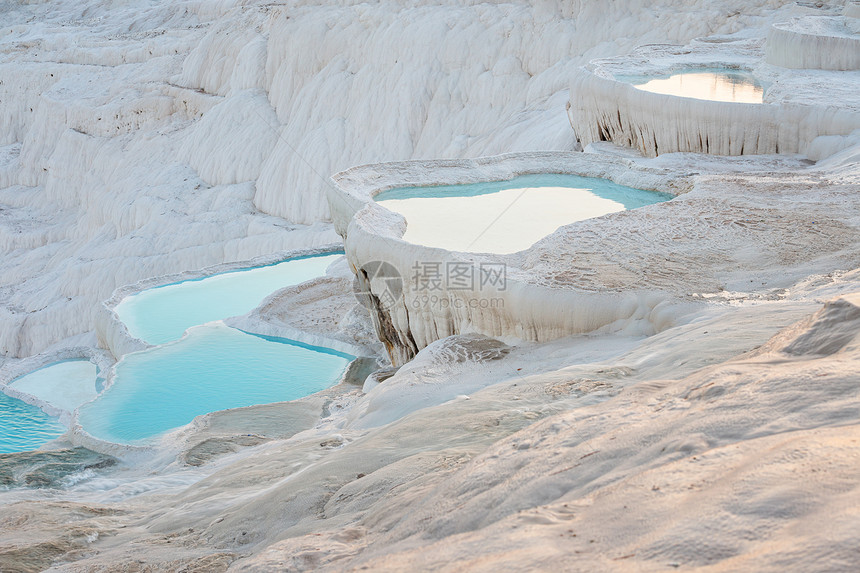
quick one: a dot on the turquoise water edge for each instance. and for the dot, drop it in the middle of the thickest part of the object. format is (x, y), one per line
(212, 368)
(629, 197)
(161, 314)
(25, 427)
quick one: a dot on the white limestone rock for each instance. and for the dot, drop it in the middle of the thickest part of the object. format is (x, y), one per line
(130, 146)
(817, 42)
(798, 107)
(233, 139)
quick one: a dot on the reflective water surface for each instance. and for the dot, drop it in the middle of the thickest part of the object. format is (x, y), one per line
(24, 427)
(507, 216)
(712, 85)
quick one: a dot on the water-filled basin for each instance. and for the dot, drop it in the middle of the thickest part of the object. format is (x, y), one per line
(162, 314)
(726, 85)
(507, 216)
(24, 427)
(212, 368)
(65, 385)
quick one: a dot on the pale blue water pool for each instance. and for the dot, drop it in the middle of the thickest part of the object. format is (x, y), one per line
(66, 384)
(629, 197)
(213, 368)
(162, 314)
(507, 216)
(24, 427)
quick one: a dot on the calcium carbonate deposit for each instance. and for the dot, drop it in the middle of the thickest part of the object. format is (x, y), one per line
(669, 387)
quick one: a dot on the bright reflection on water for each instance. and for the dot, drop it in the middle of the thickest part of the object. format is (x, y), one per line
(163, 314)
(507, 216)
(24, 427)
(213, 368)
(712, 85)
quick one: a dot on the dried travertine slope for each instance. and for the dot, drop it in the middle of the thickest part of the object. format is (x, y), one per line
(600, 453)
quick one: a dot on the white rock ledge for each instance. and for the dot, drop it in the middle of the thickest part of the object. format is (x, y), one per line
(798, 106)
(528, 307)
(636, 271)
(815, 42)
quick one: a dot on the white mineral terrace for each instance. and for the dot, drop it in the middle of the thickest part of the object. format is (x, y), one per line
(796, 109)
(62, 382)
(611, 272)
(818, 42)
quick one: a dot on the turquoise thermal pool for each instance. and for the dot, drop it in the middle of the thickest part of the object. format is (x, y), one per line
(24, 427)
(65, 385)
(726, 85)
(507, 216)
(162, 314)
(212, 368)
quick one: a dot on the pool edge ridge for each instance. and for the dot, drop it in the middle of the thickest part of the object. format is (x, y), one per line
(257, 326)
(10, 371)
(114, 335)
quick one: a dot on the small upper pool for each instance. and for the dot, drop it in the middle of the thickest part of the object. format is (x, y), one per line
(214, 367)
(24, 427)
(726, 85)
(164, 313)
(507, 216)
